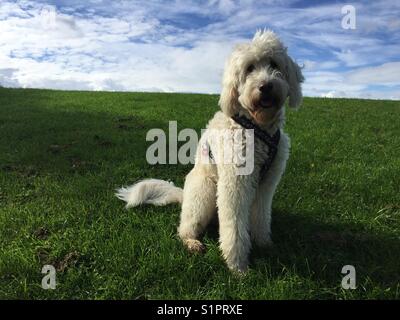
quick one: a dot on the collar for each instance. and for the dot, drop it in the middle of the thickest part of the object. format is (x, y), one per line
(270, 141)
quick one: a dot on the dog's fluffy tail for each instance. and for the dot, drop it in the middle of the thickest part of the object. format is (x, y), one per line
(151, 191)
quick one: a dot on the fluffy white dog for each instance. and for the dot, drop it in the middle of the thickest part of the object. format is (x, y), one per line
(258, 78)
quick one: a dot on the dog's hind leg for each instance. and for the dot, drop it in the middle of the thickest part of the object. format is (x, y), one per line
(198, 207)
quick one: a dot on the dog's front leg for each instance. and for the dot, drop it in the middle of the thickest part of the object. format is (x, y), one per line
(260, 219)
(260, 225)
(235, 194)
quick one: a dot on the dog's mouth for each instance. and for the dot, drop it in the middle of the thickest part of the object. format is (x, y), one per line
(265, 102)
(263, 107)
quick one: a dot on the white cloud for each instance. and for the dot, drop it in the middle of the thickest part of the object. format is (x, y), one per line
(7, 78)
(334, 94)
(95, 53)
(181, 45)
(385, 74)
(356, 83)
(387, 95)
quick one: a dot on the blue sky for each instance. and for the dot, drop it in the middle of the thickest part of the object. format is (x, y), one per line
(181, 46)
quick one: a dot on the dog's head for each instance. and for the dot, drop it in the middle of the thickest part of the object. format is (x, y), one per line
(259, 77)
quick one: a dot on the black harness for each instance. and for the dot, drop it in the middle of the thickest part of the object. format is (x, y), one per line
(271, 141)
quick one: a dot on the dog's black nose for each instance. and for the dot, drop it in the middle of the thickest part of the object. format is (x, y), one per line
(266, 88)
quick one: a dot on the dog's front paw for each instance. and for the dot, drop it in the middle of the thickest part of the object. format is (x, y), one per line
(238, 267)
(194, 246)
(239, 270)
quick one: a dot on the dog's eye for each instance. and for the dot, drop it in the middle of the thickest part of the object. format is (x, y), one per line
(273, 64)
(250, 68)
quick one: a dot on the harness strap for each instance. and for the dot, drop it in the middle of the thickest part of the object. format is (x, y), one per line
(271, 141)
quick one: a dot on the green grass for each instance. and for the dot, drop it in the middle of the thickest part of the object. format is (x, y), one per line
(62, 154)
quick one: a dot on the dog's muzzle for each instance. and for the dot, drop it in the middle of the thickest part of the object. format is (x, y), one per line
(267, 98)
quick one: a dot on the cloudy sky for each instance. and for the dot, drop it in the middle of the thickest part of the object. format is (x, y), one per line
(181, 45)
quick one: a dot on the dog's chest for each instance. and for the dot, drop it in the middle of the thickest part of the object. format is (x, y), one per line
(261, 152)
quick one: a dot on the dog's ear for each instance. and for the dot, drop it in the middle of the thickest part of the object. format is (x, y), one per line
(228, 100)
(295, 78)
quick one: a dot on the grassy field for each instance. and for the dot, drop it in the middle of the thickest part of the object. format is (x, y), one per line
(62, 154)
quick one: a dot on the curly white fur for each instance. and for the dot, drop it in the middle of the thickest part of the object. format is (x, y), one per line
(243, 201)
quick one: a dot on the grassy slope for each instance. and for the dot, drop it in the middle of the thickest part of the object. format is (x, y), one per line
(62, 154)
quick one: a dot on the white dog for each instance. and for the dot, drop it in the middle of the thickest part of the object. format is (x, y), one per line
(258, 78)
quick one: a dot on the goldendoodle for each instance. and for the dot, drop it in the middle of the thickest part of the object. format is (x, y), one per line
(258, 79)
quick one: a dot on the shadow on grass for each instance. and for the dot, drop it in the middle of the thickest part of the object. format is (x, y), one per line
(67, 133)
(318, 250)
